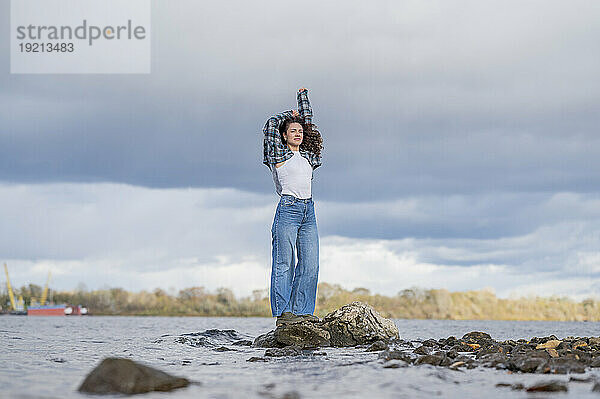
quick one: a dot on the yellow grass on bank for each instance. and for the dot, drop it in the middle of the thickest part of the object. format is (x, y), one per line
(412, 303)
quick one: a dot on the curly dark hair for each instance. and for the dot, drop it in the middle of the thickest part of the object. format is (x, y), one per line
(311, 137)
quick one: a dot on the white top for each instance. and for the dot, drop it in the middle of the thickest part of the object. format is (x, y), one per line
(294, 177)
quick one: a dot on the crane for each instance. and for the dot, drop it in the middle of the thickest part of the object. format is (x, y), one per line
(45, 293)
(9, 289)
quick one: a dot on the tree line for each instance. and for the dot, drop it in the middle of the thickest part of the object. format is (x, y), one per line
(413, 303)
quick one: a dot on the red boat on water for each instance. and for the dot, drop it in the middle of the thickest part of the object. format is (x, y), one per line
(57, 310)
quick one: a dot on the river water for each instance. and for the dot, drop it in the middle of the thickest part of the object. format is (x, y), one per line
(48, 357)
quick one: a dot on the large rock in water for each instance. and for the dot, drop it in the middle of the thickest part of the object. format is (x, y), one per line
(117, 375)
(353, 324)
(358, 323)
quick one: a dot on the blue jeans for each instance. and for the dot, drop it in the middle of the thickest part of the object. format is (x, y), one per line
(294, 286)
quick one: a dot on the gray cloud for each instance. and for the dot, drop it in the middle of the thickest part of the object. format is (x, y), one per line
(410, 98)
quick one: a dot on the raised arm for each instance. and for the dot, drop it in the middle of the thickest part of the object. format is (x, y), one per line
(304, 105)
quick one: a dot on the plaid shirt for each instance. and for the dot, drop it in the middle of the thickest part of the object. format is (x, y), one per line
(274, 149)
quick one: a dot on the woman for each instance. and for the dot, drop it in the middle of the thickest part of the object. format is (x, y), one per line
(292, 151)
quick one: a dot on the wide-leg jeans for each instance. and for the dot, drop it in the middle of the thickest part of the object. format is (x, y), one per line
(294, 285)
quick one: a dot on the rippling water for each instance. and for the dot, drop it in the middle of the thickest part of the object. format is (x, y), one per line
(48, 357)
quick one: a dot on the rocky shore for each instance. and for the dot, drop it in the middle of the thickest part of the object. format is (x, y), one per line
(359, 325)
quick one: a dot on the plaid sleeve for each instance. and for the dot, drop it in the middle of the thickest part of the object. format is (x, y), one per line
(306, 112)
(304, 106)
(273, 148)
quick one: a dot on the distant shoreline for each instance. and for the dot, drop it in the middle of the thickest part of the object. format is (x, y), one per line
(415, 303)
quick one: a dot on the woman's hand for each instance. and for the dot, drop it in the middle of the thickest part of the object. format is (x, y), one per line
(295, 112)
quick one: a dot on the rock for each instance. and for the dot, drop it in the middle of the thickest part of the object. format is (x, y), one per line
(583, 380)
(552, 352)
(422, 350)
(490, 348)
(595, 362)
(223, 349)
(596, 387)
(462, 347)
(358, 323)
(476, 337)
(118, 375)
(395, 364)
(287, 351)
(395, 355)
(548, 386)
(429, 359)
(242, 342)
(514, 387)
(452, 353)
(353, 324)
(449, 342)
(456, 365)
(257, 359)
(493, 359)
(267, 341)
(304, 335)
(446, 361)
(551, 344)
(580, 344)
(564, 366)
(525, 364)
(377, 346)
(430, 342)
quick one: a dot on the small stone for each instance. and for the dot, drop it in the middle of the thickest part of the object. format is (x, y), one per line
(553, 343)
(430, 342)
(580, 344)
(377, 346)
(456, 365)
(257, 359)
(281, 352)
(395, 364)
(476, 337)
(552, 352)
(429, 359)
(395, 355)
(548, 386)
(422, 350)
(223, 349)
(291, 395)
(242, 342)
(452, 353)
(584, 380)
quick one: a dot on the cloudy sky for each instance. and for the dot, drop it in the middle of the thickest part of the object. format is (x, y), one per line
(461, 149)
